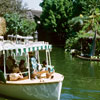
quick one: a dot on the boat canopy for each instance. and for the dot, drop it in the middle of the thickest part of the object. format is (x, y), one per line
(10, 47)
(24, 48)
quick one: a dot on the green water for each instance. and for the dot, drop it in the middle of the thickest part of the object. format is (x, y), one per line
(81, 78)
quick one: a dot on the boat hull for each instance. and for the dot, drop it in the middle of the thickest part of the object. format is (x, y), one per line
(87, 58)
(32, 91)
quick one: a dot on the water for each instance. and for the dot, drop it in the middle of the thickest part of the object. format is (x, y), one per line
(81, 78)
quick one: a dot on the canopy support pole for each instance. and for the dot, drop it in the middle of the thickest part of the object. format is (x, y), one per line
(4, 64)
(29, 69)
(47, 56)
(38, 58)
(14, 56)
(7, 53)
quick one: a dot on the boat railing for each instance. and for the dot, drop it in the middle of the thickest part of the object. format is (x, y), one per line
(25, 40)
(18, 73)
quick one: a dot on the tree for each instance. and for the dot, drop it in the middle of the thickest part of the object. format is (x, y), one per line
(11, 6)
(57, 13)
(28, 27)
(89, 21)
(55, 16)
(13, 23)
(80, 8)
(85, 22)
(18, 25)
(85, 7)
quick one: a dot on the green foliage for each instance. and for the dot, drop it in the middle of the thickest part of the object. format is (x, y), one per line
(86, 8)
(90, 25)
(18, 25)
(72, 43)
(55, 16)
(78, 7)
(13, 23)
(90, 6)
(11, 6)
(98, 47)
(28, 27)
(71, 19)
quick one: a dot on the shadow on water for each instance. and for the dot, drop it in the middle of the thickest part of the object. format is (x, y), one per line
(81, 78)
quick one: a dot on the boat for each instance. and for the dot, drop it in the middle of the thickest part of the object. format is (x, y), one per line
(91, 56)
(88, 58)
(29, 88)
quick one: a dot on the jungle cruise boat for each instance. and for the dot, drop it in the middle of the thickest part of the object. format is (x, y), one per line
(26, 87)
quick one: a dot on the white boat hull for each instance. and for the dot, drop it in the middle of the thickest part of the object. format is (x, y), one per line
(29, 91)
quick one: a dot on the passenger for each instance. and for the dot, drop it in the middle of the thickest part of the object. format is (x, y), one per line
(16, 74)
(39, 67)
(15, 69)
(34, 63)
(46, 71)
(47, 67)
(10, 63)
(44, 65)
(33, 67)
(22, 67)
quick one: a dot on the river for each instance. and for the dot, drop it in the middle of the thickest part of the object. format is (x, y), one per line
(81, 78)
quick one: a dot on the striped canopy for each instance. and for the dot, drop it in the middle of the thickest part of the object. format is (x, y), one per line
(24, 48)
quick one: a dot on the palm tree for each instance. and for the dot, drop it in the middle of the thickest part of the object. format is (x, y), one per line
(88, 27)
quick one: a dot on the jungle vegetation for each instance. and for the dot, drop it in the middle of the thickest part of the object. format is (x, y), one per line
(71, 20)
(12, 11)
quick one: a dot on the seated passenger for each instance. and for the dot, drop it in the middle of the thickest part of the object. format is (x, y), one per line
(33, 67)
(46, 71)
(47, 67)
(16, 74)
(34, 63)
(39, 67)
(15, 69)
(22, 67)
(10, 63)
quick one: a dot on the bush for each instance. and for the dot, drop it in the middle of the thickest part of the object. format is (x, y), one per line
(72, 43)
(18, 25)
